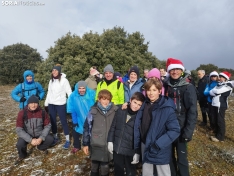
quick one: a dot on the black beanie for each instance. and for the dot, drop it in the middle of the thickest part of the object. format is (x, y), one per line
(136, 70)
(57, 67)
(33, 99)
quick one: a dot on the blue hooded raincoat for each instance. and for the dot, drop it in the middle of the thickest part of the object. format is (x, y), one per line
(79, 106)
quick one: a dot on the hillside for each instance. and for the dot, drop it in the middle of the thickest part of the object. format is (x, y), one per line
(205, 157)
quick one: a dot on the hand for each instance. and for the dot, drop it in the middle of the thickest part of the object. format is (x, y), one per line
(22, 99)
(110, 147)
(34, 142)
(86, 150)
(38, 141)
(47, 109)
(124, 106)
(136, 158)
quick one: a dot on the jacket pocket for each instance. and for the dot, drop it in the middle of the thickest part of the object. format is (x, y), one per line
(98, 139)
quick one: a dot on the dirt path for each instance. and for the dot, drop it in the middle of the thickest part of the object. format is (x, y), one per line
(205, 157)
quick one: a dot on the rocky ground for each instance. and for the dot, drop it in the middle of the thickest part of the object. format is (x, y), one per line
(205, 156)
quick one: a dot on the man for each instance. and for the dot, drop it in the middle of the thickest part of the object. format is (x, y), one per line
(189, 78)
(201, 86)
(32, 126)
(145, 78)
(112, 84)
(184, 95)
(29, 87)
(163, 73)
(78, 104)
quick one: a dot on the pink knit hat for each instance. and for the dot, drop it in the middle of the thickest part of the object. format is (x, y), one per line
(154, 73)
(93, 72)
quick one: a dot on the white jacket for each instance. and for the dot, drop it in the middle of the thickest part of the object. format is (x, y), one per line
(57, 91)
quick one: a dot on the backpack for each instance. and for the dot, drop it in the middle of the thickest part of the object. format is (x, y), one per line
(118, 84)
(23, 88)
(25, 117)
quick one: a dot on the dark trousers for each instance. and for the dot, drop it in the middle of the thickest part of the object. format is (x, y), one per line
(22, 145)
(76, 139)
(61, 110)
(204, 109)
(104, 168)
(179, 165)
(121, 162)
(214, 117)
(221, 124)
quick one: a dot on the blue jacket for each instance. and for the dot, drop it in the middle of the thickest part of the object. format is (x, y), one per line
(163, 130)
(32, 88)
(79, 106)
(209, 86)
(136, 87)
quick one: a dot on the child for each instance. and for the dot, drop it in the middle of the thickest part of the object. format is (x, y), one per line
(156, 127)
(120, 137)
(212, 83)
(79, 104)
(220, 95)
(96, 129)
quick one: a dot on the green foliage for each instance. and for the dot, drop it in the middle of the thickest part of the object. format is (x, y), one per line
(15, 59)
(114, 46)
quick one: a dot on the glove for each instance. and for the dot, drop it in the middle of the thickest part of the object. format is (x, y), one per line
(110, 147)
(47, 109)
(23, 99)
(136, 158)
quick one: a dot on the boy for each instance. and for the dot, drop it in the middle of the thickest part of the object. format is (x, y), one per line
(96, 129)
(156, 127)
(120, 137)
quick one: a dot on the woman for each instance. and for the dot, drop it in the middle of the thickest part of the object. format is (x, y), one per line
(55, 102)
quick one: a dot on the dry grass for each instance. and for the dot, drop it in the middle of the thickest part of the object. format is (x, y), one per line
(205, 156)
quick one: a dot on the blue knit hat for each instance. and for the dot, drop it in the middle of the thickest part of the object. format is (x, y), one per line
(57, 67)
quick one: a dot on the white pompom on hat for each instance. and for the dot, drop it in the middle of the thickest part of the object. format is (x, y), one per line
(174, 63)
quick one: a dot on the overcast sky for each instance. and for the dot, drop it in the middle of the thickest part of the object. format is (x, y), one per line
(194, 31)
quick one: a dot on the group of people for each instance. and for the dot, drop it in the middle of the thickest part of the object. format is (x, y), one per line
(126, 121)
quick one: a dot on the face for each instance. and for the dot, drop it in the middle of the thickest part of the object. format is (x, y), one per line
(32, 106)
(135, 105)
(29, 78)
(153, 93)
(81, 90)
(222, 79)
(133, 77)
(162, 72)
(146, 74)
(55, 72)
(214, 78)
(109, 75)
(104, 102)
(175, 73)
(200, 74)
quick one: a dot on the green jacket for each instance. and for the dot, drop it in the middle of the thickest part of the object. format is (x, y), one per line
(116, 91)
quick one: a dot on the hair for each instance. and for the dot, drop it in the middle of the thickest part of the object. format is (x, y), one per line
(105, 94)
(146, 70)
(138, 96)
(151, 82)
(202, 71)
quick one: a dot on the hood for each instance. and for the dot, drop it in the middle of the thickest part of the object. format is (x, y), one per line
(182, 81)
(26, 73)
(63, 75)
(86, 92)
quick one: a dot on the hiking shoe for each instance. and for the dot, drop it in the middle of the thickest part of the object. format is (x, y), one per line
(55, 142)
(18, 161)
(74, 150)
(214, 139)
(66, 145)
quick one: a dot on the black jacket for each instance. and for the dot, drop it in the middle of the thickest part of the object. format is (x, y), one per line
(201, 86)
(121, 133)
(185, 98)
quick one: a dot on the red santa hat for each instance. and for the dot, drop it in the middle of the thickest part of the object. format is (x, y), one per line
(174, 63)
(225, 74)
